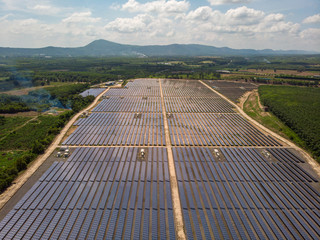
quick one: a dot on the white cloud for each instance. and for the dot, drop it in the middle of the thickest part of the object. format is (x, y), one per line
(311, 34)
(244, 16)
(81, 17)
(45, 9)
(160, 6)
(223, 2)
(202, 14)
(42, 7)
(130, 25)
(157, 22)
(312, 19)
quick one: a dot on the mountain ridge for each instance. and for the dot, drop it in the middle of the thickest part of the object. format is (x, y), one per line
(101, 48)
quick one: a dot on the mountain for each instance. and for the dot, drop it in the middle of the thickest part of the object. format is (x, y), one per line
(101, 48)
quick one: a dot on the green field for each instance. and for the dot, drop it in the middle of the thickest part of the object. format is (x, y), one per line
(8, 124)
(298, 108)
(22, 139)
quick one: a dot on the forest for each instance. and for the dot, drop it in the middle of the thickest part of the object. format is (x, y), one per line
(298, 108)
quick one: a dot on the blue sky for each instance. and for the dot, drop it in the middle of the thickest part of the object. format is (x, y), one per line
(258, 24)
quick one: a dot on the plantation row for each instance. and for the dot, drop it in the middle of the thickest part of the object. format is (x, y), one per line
(298, 108)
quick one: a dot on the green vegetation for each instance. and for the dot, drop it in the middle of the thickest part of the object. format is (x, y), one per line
(268, 119)
(22, 139)
(19, 147)
(65, 96)
(18, 73)
(8, 124)
(298, 108)
(12, 104)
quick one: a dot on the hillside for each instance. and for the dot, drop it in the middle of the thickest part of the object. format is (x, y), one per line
(106, 48)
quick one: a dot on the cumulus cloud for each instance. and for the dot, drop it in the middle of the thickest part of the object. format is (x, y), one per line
(159, 22)
(312, 19)
(223, 2)
(160, 6)
(130, 25)
(244, 16)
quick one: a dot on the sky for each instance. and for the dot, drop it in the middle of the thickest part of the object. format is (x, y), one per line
(254, 24)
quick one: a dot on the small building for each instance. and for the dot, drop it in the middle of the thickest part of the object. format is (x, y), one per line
(110, 83)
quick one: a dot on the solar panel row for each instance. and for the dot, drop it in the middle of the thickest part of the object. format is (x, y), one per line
(152, 91)
(215, 204)
(200, 129)
(119, 129)
(92, 91)
(112, 181)
(129, 104)
(197, 104)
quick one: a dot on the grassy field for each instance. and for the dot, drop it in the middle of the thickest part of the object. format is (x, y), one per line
(8, 124)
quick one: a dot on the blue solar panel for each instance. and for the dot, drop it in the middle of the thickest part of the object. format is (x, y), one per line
(103, 224)
(233, 223)
(204, 225)
(120, 224)
(129, 224)
(86, 225)
(126, 195)
(78, 224)
(147, 195)
(95, 224)
(140, 195)
(213, 225)
(137, 224)
(145, 230)
(154, 224)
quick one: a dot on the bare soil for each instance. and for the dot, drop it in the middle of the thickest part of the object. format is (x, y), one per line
(69, 132)
(288, 72)
(21, 114)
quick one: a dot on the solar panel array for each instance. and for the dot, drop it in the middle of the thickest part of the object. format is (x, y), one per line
(234, 181)
(92, 91)
(98, 193)
(240, 194)
(105, 129)
(208, 129)
(129, 104)
(230, 89)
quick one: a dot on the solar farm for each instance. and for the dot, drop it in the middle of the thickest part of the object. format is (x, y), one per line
(143, 144)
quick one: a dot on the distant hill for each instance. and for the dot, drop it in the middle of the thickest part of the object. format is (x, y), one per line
(106, 48)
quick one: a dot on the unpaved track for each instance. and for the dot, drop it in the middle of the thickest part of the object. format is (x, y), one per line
(310, 160)
(178, 220)
(21, 179)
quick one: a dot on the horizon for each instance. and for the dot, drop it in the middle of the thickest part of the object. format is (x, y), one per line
(308, 51)
(236, 24)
